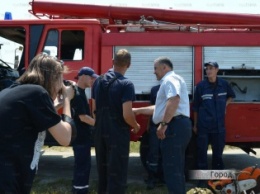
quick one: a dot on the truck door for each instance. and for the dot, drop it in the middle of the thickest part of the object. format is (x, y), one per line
(67, 45)
(74, 42)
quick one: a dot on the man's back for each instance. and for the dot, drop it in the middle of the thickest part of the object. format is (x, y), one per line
(112, 104)
(112, 90)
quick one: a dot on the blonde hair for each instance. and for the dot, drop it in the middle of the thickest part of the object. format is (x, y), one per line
(44, 70)
(122, 58)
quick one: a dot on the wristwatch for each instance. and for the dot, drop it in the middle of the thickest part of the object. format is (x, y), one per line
(163, 123)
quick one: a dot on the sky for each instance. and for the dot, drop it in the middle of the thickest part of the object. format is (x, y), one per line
(19, 8)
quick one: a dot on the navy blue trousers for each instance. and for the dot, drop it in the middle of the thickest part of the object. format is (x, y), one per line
(178, 134)
(153, 158)
(217, 141)
(82, 165)
(112, 154)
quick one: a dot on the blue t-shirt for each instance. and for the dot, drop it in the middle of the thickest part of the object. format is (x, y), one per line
(80, 106)
(110, 92)
(120, 91)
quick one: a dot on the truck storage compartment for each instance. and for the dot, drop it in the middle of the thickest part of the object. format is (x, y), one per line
(141, 71)
(243, 115)
(245, 84)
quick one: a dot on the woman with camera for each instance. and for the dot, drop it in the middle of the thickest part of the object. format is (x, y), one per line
(27, 111)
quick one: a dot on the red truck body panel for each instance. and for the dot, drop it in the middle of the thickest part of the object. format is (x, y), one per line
(199, 31)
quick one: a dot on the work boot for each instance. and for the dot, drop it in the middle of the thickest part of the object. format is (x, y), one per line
(150, 184)
(79, 191)
(151, 181)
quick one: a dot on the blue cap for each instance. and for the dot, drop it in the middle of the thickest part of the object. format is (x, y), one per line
(86, 71)
(214, 64)
(8, 16)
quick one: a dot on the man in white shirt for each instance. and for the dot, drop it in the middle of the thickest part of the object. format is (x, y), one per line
(171, 111)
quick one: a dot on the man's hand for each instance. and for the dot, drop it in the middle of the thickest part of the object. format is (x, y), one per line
(195, 130)
(68, 91)
(136, 129)
(135, 111)
(161, 132)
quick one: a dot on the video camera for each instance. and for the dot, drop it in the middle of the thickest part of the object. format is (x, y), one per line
(67, 83)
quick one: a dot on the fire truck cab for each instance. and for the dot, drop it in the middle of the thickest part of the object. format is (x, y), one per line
(88, 35)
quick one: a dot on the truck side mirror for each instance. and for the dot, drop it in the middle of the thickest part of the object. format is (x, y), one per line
(16, 57)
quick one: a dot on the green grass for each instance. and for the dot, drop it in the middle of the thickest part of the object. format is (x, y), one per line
(134, 147)
(56, 187)
(63, 186)
(47, 185)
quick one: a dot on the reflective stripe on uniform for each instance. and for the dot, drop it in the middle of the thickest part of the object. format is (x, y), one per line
(207, 96)
(80, 187)
(222, 94)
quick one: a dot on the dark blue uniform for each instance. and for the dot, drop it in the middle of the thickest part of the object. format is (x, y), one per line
(112, 140)
(210, 104)
(153, 154)
(82, 143)
(154, 163)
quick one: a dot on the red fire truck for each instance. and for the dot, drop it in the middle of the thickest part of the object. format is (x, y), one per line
(88, 35)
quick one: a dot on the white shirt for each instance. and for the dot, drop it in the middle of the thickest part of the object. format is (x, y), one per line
(171, 85)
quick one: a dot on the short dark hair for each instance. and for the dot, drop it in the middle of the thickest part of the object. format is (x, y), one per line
(213, 64)
(122, 58)
(164, 60)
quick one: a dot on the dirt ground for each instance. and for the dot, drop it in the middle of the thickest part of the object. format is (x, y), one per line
(57, 163)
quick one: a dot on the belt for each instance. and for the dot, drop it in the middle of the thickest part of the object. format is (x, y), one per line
(176, 118)
(179, 117)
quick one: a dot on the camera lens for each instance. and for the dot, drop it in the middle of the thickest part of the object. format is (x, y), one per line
(66, 83)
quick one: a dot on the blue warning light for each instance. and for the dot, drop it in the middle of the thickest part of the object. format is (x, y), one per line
(8, 16)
